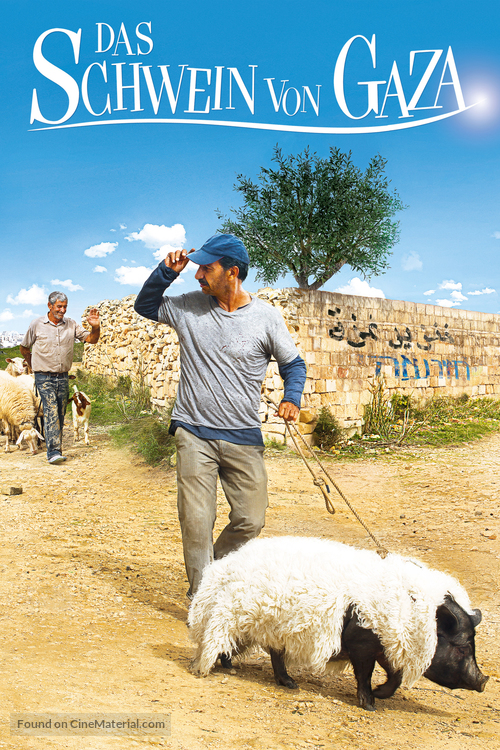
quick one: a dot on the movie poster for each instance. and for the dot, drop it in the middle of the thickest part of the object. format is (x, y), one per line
(125, 128)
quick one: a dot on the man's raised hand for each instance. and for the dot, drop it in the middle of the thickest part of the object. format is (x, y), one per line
(177, 260)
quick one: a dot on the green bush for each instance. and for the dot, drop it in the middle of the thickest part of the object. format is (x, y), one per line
(327, 432)
(379, 413)
(402, 405)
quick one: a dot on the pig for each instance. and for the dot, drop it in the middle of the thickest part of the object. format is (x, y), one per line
(313, 601)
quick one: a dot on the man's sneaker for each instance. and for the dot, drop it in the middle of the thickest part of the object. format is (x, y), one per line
(57, 459)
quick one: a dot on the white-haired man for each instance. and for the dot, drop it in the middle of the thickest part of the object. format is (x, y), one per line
(48, 349)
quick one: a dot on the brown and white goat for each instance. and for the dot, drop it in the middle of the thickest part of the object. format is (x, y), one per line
(80, 408)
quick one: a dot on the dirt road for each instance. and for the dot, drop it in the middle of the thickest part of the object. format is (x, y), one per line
(93, 601)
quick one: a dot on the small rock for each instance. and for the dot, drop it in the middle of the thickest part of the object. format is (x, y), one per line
(403, 515)
(14, 489)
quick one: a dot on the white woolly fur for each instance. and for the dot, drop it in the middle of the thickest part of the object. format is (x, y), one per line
(16, 404)
(292, 593)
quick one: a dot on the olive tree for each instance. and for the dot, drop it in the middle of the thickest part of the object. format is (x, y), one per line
(310, 216)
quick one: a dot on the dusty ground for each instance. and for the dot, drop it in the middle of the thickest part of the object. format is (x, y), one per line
(93, 601)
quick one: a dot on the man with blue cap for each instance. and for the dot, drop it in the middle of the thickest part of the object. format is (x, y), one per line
(227, 338)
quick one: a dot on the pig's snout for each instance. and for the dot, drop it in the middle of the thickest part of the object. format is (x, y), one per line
(473, 678)
(481, 682)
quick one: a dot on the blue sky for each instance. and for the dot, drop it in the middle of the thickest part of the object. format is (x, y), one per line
(90, 202)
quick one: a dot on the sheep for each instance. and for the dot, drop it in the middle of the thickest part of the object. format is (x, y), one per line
(17, 411)
(80, 408)
(309, 601)
(28, 382)
(17, 366)
(31, 436)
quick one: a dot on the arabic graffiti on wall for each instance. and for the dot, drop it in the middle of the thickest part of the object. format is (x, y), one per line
(357, 338)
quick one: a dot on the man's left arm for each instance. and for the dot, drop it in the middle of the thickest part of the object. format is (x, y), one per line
(294, 378)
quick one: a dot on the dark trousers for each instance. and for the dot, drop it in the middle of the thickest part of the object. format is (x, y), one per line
(54, 392)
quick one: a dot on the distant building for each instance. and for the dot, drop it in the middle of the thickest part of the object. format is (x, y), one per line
(10, 338)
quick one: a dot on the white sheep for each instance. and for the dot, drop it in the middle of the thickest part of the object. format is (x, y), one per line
(17, 366)
(293, 596)
(28, 381)
(81, 408)
(17, 411)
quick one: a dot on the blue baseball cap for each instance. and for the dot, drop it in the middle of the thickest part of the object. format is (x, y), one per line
(218, 246)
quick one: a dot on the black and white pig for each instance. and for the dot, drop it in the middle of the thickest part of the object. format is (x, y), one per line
(312, 601)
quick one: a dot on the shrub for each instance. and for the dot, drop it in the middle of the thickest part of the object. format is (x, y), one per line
(327, 432)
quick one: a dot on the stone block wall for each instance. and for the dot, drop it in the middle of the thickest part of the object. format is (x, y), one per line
(346, 342)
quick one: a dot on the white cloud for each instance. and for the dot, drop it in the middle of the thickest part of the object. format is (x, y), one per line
(101, 250)
(35, 295)
(134, 276)
(123, 226)
(112, 230)
(486, 290)
(360, 289)
(411, 262)
(8, 315)
(68, 284)
(446, 303)
(458, 296)
(156, 236)
(165, 250)
(450, 285)
(429, 292)
(496, 235)
(100, 269)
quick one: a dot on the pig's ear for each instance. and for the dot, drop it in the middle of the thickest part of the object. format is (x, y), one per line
(476, 617)
(446, 617)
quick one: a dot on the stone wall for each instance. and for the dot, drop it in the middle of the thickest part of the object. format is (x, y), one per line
(346, 341)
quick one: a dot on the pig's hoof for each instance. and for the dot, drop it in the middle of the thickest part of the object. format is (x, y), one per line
(225, 661)
(367, 703)
(287, 682)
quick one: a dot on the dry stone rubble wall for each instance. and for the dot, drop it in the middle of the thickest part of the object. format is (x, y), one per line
(346, 342)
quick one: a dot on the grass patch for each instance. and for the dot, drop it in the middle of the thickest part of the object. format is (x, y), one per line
(114, 400)
(397, 419)
(78, 351)
(149, 437)
(124, 405)
(449, 421)
(9, 352)
(272, 444)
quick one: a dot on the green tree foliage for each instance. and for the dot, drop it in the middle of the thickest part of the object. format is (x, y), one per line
(310, 216)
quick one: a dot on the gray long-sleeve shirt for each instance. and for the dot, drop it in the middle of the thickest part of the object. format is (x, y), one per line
(224, 355)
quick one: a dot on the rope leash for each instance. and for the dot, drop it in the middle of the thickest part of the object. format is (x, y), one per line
(320, 482)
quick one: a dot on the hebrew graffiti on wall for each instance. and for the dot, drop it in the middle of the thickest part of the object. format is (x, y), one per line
(358, 338)
(409, 368)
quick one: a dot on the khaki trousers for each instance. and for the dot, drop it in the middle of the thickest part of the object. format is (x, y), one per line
(243, 477)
